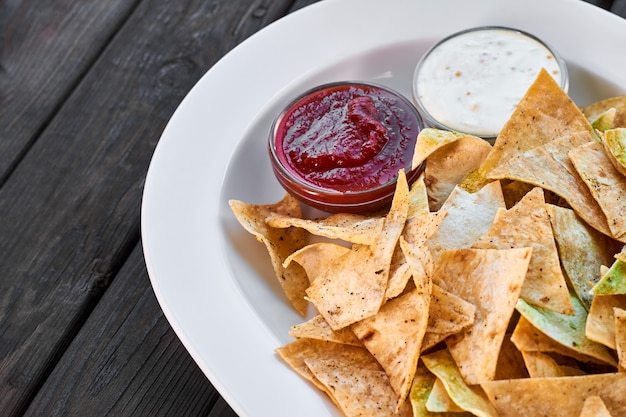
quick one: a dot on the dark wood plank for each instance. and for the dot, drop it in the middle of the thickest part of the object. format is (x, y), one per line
(619, 8)
(45, 49)
(70, 210)
(127, 361)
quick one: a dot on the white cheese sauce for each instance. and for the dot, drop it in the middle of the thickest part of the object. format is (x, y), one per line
(473, 81)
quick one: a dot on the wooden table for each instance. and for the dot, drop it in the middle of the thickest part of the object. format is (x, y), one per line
(86, 88)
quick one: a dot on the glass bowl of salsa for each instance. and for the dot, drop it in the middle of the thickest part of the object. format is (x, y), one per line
(339, 146)
(472, 80)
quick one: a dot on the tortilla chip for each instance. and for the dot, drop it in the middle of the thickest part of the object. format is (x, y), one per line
(615, 147)
(317, 328)
(604, 121)
(280, 243)
(448, 315)
(606, 184)
(294, 354)
(545, 113)
(527, 338)
(620, 337)
(594, 407)
(600, 325)
(469, 216)
(394, 336)
(449, 165)
(352, 287)
(429, 140)
(422, 386)
(567, 330)
(542, 365)
(469, 398)
(491, 279)
(313, 257)
(613, 281)
(439, 400)
(357, 390)
(510, 362)
(418, 198)
(527, 224)
(594, 110)
(352, 228)
(582, 250)
(549, 167)
(399, 277)
(556, 397)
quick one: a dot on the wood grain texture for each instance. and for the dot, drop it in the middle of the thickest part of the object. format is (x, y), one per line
(126, 339)
(45, 49)
(70, 210)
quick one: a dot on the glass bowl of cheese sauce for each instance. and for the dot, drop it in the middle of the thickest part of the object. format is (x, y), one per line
(339, 146)
(472, 81)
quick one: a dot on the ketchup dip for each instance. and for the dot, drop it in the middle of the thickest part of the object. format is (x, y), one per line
(472, 81)
(339, 146)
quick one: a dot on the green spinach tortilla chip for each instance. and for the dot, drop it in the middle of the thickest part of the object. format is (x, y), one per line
(582, 250)
(613, 281)
(467, 397)
(594, 110)
(567, 330)
(490, 279)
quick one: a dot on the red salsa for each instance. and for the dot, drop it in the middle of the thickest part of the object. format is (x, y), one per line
(346, 139)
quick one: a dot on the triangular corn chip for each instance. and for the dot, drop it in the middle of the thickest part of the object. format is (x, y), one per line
(567, 330)
(594, 407)
(350, 227)
(556, 397)
(469, 398)
(280, 243)
(469, 216)
(600, 325)
(448, 315)
(606, 184)
(527, 224)
(549, 167)
(582, 250)
(352, 287)
(491, 279)
(317, 328)
(613, 281)
(394, 336)
(439, 401)
(356, 389)
(594, 110)
(423, 384)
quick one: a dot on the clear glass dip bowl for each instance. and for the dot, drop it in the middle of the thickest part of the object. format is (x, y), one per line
(339, 146)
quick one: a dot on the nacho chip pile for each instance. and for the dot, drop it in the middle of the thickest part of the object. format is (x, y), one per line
(494, 286)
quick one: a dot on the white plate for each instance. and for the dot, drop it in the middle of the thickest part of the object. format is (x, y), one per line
(213, 280)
